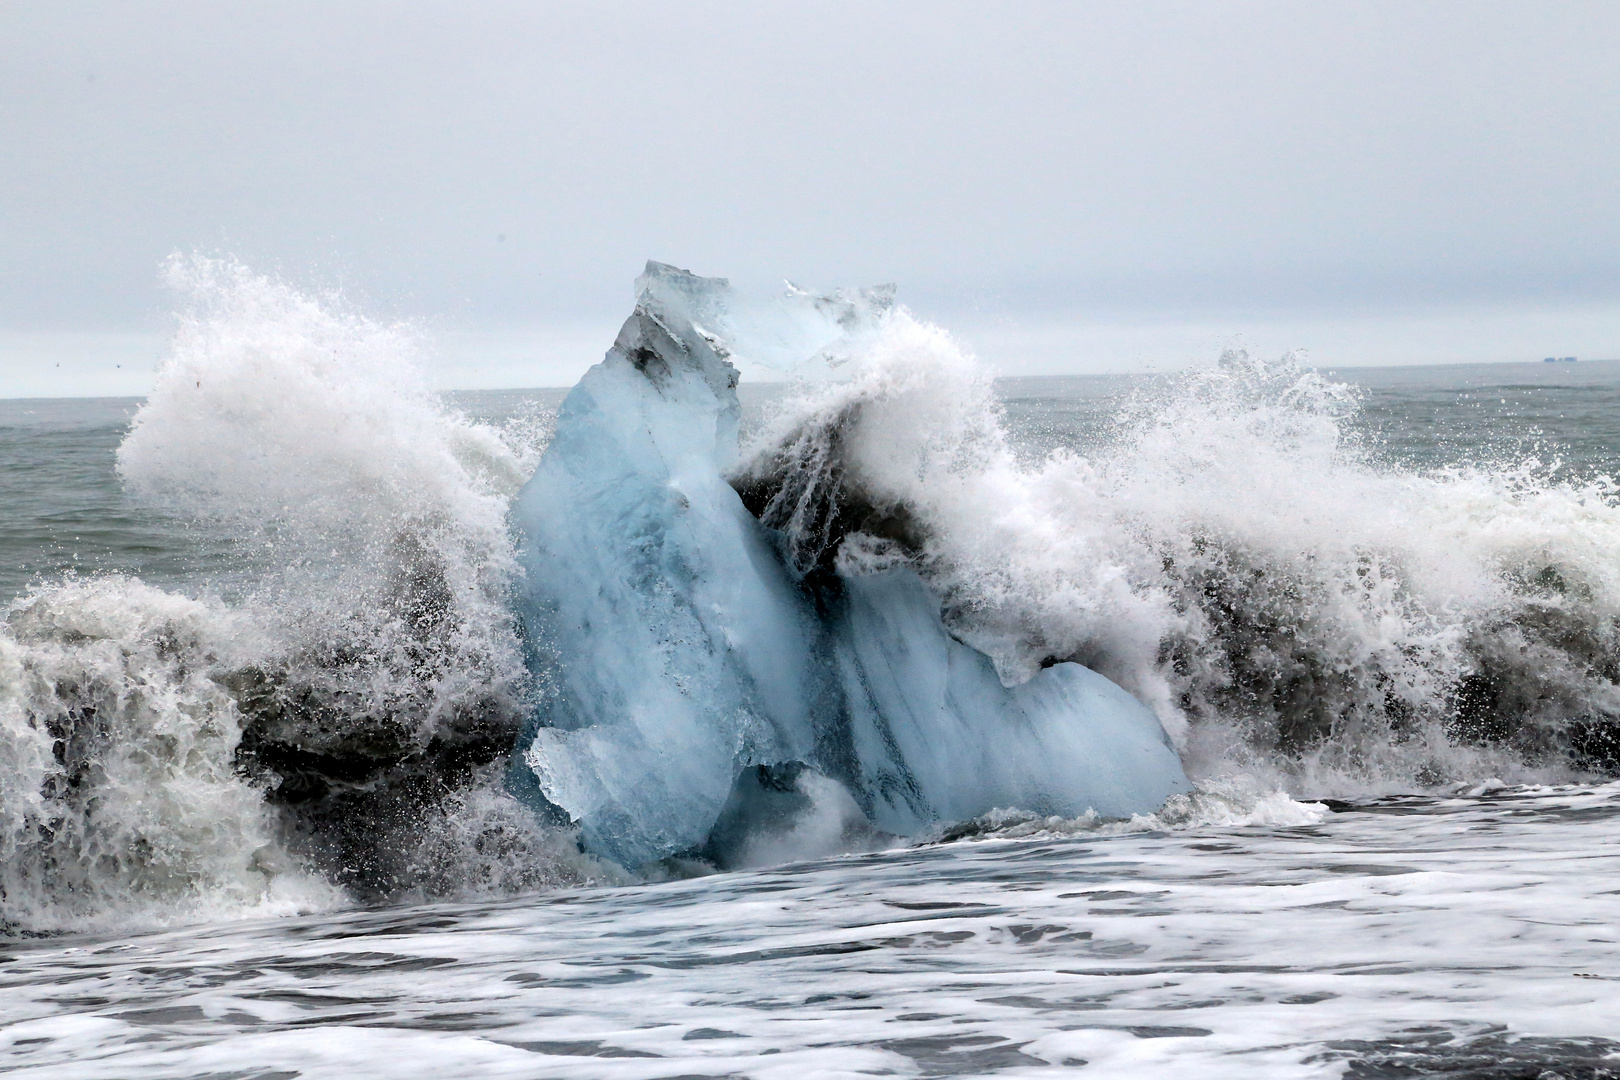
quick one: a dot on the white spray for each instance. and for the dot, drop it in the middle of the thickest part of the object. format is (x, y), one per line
(1290, 606)
(366, 615)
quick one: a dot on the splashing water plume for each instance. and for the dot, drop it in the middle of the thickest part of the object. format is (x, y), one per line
(329, 712)
(1291, 606)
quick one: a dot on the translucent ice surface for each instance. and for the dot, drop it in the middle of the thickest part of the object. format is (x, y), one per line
(939, 738)
(676, 640)
(796, 332)
(674, 647)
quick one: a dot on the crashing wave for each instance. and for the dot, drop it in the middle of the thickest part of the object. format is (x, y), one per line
(385, 669)
(119, 790)
(336, 709)
(816, 643)
(1290, 605)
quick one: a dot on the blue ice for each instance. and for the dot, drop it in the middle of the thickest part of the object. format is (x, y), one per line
(673, 649)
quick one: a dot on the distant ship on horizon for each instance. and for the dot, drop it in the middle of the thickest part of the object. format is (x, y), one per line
(1559, 360)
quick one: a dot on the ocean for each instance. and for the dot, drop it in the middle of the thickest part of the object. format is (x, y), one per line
(1377, 610)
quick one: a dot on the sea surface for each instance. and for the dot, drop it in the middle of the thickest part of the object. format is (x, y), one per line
(1356, 889)
(68, 512)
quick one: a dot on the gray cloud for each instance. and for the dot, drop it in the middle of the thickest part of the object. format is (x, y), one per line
(505, 163)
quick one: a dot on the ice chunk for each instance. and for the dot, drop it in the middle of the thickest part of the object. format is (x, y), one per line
(676, 649)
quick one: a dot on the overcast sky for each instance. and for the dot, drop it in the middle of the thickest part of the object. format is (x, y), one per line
(507, 167)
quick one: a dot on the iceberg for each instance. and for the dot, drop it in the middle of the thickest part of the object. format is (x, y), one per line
(677, 650)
